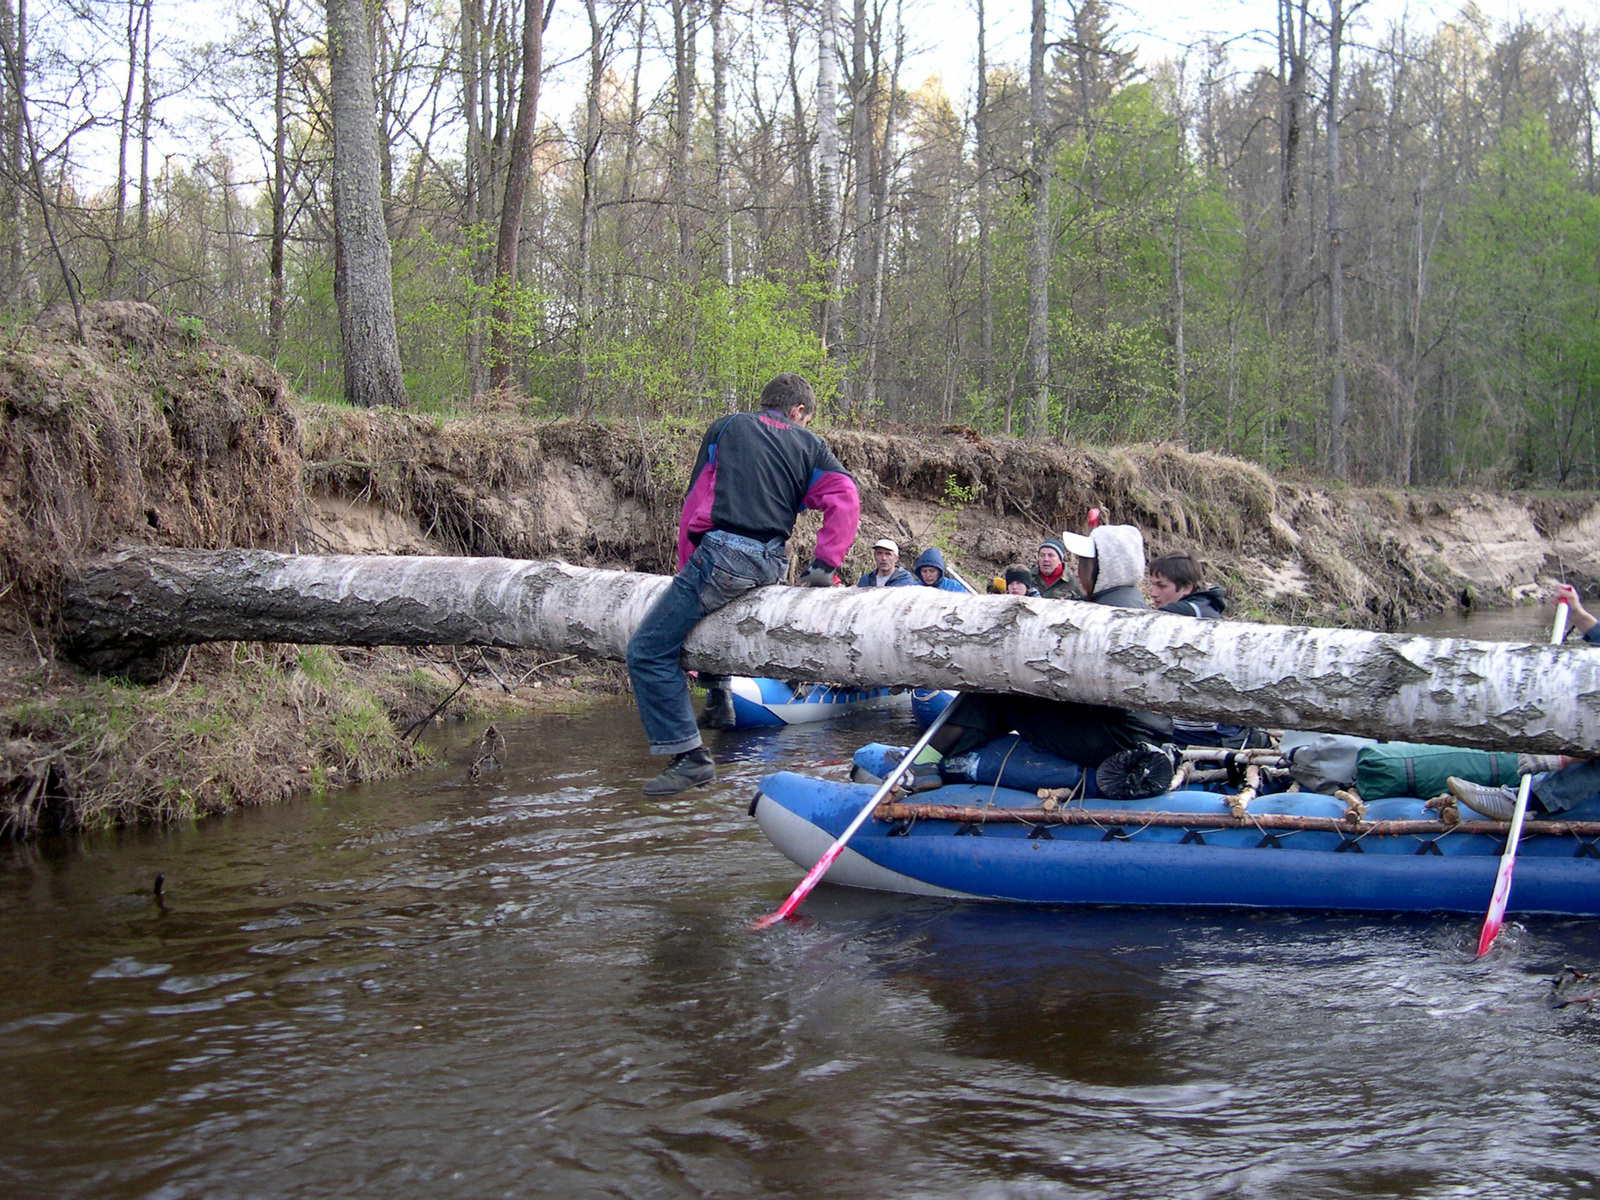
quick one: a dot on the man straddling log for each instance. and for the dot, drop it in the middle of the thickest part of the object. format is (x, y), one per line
(755, 472)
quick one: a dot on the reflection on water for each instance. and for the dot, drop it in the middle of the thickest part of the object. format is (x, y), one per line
(545, 984)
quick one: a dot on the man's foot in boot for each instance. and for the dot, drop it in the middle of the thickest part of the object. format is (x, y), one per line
(686, 770)
(718, 712)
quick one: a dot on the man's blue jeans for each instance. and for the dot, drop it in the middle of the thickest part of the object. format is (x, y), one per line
(1568, 787)
(723, 566)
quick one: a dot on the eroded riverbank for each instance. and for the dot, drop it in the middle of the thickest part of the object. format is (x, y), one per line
(152, 436)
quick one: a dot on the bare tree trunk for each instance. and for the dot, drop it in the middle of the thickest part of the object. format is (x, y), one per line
(16, 72)
(630, 155)
(879, 242)
(1337, 465)
(719, 138)
(141, 289)
(805, 182)
(828, 198)
(684, 15)
(518, 168)
(590, 213)
(1039, 243)
(1501, 695)
(862, 95)
(828, 172)
(21, 281)
(1292, 69)
(138, 17)
(472, 185)
(362, 284)
(277, 14)
(985, 183)
(1180, 365)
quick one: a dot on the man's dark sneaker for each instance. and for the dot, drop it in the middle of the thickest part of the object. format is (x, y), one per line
(718, 712)
(687, 770)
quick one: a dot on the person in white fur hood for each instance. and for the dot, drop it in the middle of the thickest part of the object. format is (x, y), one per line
(1110, 564)
(1110, 567)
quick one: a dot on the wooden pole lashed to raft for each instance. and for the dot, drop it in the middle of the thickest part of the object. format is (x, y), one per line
(1134, 819)
(130, 608)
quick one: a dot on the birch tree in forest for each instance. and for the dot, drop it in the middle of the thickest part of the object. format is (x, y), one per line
(362, 285)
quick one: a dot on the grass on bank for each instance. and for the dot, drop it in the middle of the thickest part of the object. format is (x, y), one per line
(240, 724)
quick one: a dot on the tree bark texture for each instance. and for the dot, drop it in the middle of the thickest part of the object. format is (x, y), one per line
(1039, 243)
(362, 284)
(1337, 350)
(981, 155)
(828, 198)
(517, 175)
(129, 608)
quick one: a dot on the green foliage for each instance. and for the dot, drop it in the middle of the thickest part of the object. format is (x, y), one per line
(957, 494)
(1469, 232)
(715, 349)
(1525, 265)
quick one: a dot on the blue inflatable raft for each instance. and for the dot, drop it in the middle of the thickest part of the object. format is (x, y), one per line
(760, 702)
(1292, 850)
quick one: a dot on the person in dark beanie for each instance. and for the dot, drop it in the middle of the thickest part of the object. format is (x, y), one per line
(1052, 580)
(755, 471)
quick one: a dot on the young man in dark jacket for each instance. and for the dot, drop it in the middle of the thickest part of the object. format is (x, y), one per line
(1175, 588)
(754, 473)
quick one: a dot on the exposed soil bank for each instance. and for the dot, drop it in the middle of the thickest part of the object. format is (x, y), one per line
(150, 436)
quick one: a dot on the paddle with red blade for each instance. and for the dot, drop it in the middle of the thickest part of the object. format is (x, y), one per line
(1508, 859)
(814, 876)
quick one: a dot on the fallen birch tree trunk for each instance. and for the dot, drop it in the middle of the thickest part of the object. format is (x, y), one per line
(124, 612)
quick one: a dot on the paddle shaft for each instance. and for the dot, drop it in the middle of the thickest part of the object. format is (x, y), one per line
(1502, 881)
(814, 876)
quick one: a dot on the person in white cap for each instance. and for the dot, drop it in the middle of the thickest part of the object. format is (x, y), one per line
(886, 570)
(1127, 750)
(1110, 564)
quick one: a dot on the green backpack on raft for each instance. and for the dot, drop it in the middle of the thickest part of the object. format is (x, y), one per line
(1387, 769)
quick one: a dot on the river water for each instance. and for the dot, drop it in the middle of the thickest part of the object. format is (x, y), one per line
(544, 984)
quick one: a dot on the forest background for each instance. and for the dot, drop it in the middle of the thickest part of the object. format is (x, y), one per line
(1370, 250)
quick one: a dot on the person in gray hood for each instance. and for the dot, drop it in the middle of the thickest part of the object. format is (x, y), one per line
(1110, 564)
(1110, 568)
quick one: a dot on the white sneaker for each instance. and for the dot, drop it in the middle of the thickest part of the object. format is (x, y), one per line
(1496, 803)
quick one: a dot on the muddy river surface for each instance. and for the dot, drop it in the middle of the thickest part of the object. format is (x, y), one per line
(543, 984)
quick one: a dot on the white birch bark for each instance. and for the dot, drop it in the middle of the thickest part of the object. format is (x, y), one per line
(1495, 695)
(362, 283)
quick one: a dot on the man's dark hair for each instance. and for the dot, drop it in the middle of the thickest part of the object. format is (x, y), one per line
(787, 390)
(1180, 569)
